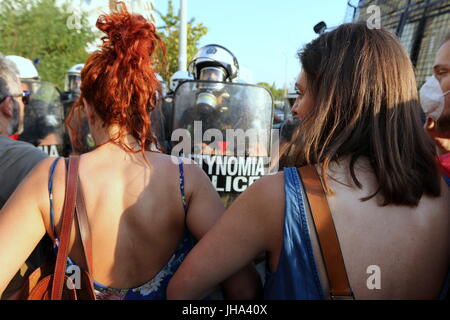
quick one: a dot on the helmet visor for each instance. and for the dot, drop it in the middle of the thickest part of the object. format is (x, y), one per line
(73, 83)
(212, 74)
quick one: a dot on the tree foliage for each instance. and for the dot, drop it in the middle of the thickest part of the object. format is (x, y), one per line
(170, 35)
(276, 93)
(39, 29)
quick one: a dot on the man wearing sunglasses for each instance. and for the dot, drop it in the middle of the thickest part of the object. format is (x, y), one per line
(17, 109)
(17, 158)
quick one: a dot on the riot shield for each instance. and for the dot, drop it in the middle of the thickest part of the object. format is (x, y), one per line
(79, 140)
(226, 129)
(43, 118)
(167, 115)
(282, 113)
(158, 127)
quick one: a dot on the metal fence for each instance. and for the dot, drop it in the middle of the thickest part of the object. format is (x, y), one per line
(421, 26)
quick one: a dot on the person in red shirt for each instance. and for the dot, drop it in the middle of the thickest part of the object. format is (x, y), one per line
(444, 160)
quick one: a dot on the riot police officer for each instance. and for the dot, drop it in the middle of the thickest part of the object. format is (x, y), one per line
(167, 102)
(158, 117)
(41, 120)
(73, 79)
(72, 87)
(214, 63)
(212, 67)
(235, 151)
(178, 78)
(84, 142)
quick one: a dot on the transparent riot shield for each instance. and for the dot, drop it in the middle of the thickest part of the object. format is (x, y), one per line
(226, 129)
(78, 137)
(158, 126)
(43, 124)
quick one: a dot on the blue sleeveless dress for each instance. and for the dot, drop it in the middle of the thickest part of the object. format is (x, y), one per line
(296, 277)
(154, 289)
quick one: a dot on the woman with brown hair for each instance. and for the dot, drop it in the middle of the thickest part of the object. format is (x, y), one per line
(144, 208)
(358, 103)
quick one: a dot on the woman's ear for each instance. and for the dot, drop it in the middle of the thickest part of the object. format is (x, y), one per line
(430, 125)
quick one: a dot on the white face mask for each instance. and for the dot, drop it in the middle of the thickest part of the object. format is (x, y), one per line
(432, 98)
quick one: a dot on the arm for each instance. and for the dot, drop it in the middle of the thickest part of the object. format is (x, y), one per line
(244, 231)
(21, 223)
(205, 209)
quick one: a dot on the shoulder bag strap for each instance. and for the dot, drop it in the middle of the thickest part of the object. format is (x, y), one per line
(85, 231)
(326, 233)
(67, 221)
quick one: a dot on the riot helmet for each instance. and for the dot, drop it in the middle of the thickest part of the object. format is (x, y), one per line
(26, 68)
(291, 95)
(28, 74)
(73, 79)
(214, 56)
(177, 78)
(212, 66)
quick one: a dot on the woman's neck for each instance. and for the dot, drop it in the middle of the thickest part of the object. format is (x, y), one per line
(112, 134)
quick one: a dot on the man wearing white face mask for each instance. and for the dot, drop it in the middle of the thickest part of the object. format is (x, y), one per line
(435, 100)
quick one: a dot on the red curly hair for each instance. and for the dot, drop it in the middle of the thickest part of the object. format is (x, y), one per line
(119, 81)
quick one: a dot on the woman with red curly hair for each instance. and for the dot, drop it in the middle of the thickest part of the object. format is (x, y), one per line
(144, 208)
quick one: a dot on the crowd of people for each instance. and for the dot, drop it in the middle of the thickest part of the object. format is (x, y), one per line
(158, 228)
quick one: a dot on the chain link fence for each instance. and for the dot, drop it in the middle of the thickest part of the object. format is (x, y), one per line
(421, 26)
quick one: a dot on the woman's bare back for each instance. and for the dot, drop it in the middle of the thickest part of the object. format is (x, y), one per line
(135, 212)
(391, 252)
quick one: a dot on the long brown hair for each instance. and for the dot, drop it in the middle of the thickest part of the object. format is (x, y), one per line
(366, 105)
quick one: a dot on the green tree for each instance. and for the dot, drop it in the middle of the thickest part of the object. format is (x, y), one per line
(170, 35)
(276, 93)
(39, 29)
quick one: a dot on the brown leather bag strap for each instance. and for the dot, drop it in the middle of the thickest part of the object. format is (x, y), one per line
(326, 233)
(85, 231)
(67, 221)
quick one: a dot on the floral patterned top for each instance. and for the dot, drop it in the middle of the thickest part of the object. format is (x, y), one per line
(155, 289)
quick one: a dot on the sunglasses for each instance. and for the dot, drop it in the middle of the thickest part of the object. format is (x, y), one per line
(26, 97)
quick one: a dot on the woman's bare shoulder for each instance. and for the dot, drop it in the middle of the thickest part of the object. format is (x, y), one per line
(269, 185)
(169, 159)
(265, 194)
(35, 185)
(190, 167)
(41, 171)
